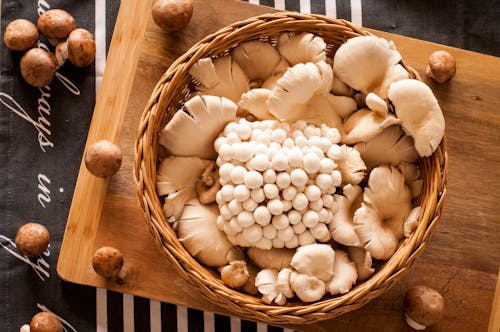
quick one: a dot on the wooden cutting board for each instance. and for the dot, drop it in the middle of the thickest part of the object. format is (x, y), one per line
(461, 260)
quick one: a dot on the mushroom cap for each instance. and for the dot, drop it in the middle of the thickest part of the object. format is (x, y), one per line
(20, 35)
(32, 239)
(342, 225)
(441, 67)
(420, 114)
(349, 163)
(56, 23)
(38, 67)
(301, 48)
(275, 258)
(314, 260)
(103, 158)
(172, 15)
(344, 274)
(307, 288)
(423, 305)
(45, 322)
(81, 47)
(365, 124)
(107, 262)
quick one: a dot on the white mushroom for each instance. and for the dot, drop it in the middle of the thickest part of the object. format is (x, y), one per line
(235, 274)
(364, 124)
(376, 104)
(221, 77)
(420, 114)
(265, 281)
(349, 163)
(255, 102)
(192, 131)
(363, 261)
(413, 178)
(314, 260)
(386, 205)
(411, 222)
(344, 274)
(301, 48)
(342, 225)
(276, 258)
(306, 287)
(259, 60)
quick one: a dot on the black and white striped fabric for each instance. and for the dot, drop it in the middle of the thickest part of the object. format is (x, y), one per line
(43, 132)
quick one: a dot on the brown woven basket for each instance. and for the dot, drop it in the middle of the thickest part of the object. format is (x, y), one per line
(173, 90)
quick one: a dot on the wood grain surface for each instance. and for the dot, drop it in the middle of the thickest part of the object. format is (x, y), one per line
(461, 260)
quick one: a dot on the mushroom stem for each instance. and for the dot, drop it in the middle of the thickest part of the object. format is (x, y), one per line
(208, 184)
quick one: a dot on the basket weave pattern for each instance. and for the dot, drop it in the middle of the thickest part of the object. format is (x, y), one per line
(174, 89)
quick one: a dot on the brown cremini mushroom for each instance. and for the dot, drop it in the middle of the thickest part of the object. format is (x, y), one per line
(81, 48)
(172, 15)
(45, 322)
(441, 67)
(20, 35)
(103, 158)
(61, 53)
(38, 67)
(107, 262)
(56, 24)
(32, 239)
(424, 307)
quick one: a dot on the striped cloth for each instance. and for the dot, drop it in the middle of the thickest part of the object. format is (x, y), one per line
(42, 135)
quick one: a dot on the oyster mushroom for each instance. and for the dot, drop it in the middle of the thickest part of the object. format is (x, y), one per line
(301, 48)
(315, 260)
(420, 114)
(192, 131)
(307, 288)
(364, 124)
(349, 163)
(275, 258)
(208, 184)
(344, 274)
(342, 224)
(255, 102)
(363, 261)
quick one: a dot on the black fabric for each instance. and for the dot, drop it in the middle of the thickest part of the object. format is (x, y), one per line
(43, 133)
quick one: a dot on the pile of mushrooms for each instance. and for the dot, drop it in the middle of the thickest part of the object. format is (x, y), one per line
(269, 123)
(39, 65)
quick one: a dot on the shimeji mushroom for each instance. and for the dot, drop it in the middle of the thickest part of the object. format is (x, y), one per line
(390, 147)
(368, 64)
(344, 274)
(301, 48)
(363, 261)
(259, 60)
(192, 131)
(342, 225)
(364, 124)
(176, 178)
(349, 163)
(420, 114)
(198, 232)
(386, 205)
(220, 77)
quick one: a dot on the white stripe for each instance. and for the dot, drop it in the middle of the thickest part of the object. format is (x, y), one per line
(305, 6)
(255, 2)
(287, 330)
(356, 12)
(182, 319)
(331, 8)
(235, 324)
(279, 4)
(101, 307)
(261, 327)
(208, 321)
(128, 313)
(155, 315)
(100, 41)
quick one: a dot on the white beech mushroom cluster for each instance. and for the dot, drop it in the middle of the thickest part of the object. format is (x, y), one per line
(289, 171)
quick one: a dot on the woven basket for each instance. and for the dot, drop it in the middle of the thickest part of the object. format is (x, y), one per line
(173, 90)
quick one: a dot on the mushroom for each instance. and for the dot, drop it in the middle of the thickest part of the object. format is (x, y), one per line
(386, 205)
(441, 67)
(275, 258)
(192, 131)
(413, 178)
(259, 60)
(20, 35)
(32, 239)
(301, 48)
(38, 67)
(107, 262)
(172, 15)
(376, 104)
(344, 274)
(198, 233)
(56, 24)
(265, 281)
(391, 146)
(363, 261)
(103, 158)
(420, 114)
(235, 274)
(208, 184)
(368, 64)
(255, 102)
(365, 124)
(339, 88)
(45, 322)
(81, 47)
(342, 225)
(411, 221)
(307, 288)
(61, 53)
(314, 260)
(349, 163)
(221, 77)
(25, 328)
(423, 306)
(249, 287)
